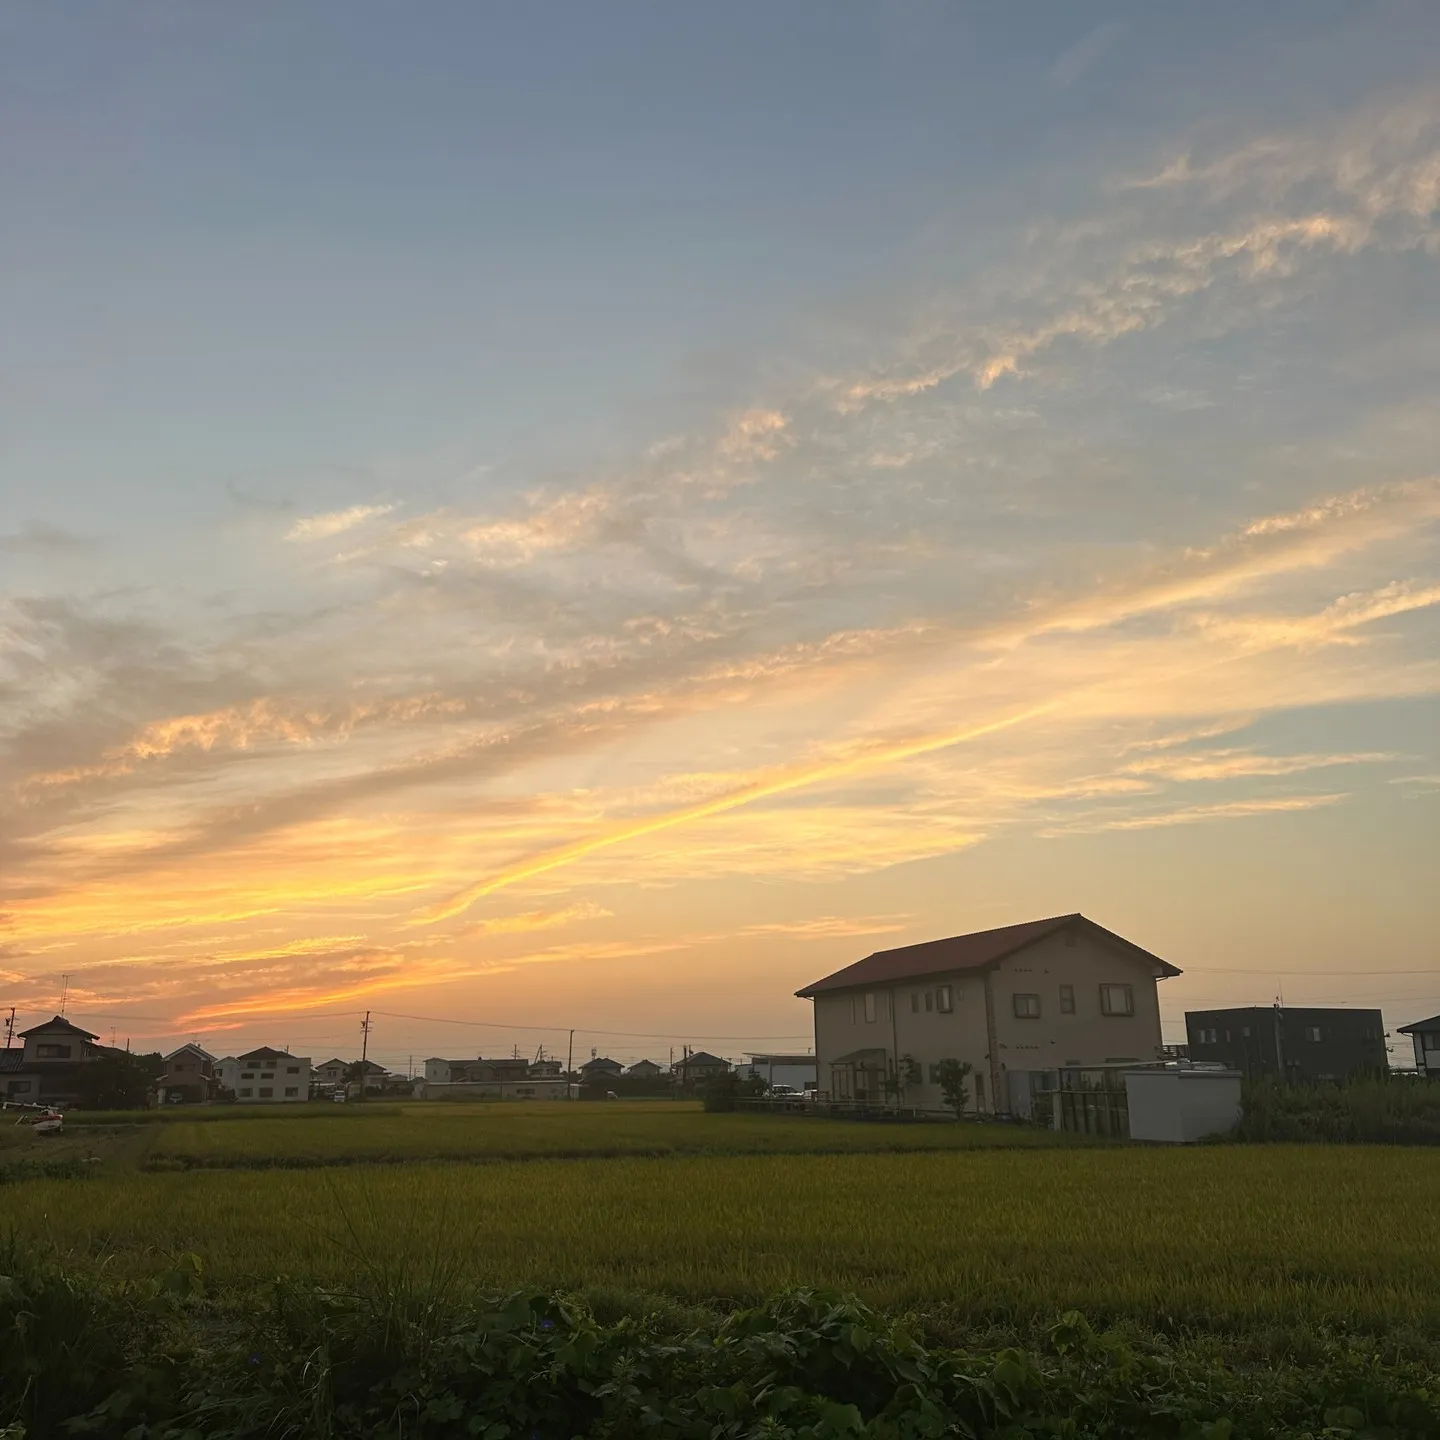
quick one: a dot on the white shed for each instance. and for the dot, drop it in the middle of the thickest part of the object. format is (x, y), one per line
(1179, 1105)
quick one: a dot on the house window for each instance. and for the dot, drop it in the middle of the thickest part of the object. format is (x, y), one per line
(1117, 1000)
(1312, 1032)
(524, 1089)
(1207, 1037)
(914, 1002)
(291, 1091)
(854, 1013)
(244, 1094)
(979, 1089)
(929, 1001)
(52, 1052)
(20, 1087)
(870, 1008)
(945, 999)
(1027, 1007)
(934, 1072)
(1067, 999)
(267, 1074)
(292, 1069)
(267, 1092)
(247, 1074)
(1244, 1032)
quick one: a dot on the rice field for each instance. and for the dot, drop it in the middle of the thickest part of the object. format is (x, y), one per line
(521, 1131)
(1227, 1240)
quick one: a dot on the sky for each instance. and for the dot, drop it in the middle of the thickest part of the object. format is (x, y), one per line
(571, 517)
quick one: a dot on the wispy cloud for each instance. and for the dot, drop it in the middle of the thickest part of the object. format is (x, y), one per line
(1199, 814)
(860, 617)
(335, 522)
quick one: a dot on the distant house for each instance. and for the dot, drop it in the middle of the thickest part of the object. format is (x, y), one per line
(477, 1071)
(697, 1067)
(266, 1077)
(188, 1077)
(546, 1069)
(46, 1068)
(1289, 1042)
(338, 1072)
(602, 1068)
(1018, 1004)
(1425, 1036)
(644, 1070)
(504, 1078)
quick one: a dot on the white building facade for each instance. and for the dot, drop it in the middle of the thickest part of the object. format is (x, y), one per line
(1018, 1005)
(266, 1077)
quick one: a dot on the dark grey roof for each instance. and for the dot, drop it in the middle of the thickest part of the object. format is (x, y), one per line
(12, 1060)
(59, 1025)
(860, 1057)
(703, 1058)
(1422, 1026)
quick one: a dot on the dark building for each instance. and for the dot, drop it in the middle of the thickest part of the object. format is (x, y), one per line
(47, 1070)
(1287, 1041)
(1425, 1035)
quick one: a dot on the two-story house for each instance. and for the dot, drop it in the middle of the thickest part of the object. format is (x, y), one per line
(266, 1077)
(188, 1077)
(1018, 1004)
(45, 1069)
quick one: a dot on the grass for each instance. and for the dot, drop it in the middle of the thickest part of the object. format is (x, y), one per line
(1267, 1244)
(523, 1131)
(212, 1114)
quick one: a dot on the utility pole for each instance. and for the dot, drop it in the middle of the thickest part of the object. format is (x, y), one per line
(569, 1066)
(364, 1050)
(64, 993)
(10, 1028)
(1279, 1045)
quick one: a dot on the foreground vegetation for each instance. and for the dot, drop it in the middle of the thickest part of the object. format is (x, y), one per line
(407, 1352)
(200, 1279)
(1268, 1247)
(518, 1131)
(1390, 1110)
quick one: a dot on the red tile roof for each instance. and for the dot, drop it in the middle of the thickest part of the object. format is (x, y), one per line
(976, 952)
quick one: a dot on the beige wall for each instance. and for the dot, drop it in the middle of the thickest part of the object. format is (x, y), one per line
(904, 1026)
(1087, 1037)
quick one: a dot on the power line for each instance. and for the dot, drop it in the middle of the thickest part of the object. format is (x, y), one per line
(582, 1030)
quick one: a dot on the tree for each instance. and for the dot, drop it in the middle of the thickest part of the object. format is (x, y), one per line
(119, 1081)
(903, 1073)
(952, 1075)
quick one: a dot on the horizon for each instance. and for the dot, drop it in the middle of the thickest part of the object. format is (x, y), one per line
(588, 521)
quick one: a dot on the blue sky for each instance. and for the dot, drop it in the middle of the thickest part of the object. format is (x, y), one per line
(434, 439)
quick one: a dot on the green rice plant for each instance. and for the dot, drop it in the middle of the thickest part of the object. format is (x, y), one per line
(1274, 1244)
(526, 1130)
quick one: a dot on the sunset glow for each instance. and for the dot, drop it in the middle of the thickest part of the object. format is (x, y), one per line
(463, 591)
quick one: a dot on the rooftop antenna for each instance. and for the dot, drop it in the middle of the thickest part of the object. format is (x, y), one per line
(64, 992)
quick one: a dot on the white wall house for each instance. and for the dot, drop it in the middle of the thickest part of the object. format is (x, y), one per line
(1018, 1004)
(266, 1077)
